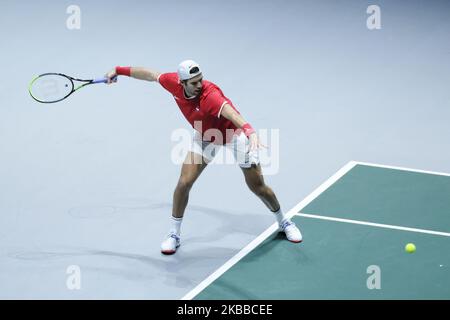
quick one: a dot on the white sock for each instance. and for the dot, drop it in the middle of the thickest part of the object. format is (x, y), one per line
(176, 225)
(279, 215)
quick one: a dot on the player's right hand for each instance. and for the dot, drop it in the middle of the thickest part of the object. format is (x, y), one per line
(111, 76)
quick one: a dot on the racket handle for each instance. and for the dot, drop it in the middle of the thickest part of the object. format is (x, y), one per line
(103, 80)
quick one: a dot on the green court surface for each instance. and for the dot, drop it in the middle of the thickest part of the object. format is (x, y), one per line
(341, 249)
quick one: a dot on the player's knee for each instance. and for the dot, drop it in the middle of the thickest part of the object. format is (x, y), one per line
(185, 184)
(258, 188)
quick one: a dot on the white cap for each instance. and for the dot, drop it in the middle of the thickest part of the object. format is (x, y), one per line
(186, 69)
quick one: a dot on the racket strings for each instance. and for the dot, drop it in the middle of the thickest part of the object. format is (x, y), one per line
(51, 88)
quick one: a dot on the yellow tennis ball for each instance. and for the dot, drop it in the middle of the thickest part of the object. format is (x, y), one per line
(410, 248)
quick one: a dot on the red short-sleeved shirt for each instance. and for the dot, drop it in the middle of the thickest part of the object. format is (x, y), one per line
(202, 111)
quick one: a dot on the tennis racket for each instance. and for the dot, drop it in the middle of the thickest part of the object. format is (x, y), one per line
(54, 87)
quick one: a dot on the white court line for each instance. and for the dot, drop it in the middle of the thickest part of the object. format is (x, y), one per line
(252, 245)
(379, 225)
(402, 168)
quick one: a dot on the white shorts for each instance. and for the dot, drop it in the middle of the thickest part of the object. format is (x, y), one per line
(238, 146)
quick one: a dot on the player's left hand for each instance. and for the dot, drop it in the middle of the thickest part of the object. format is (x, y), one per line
(255, 143)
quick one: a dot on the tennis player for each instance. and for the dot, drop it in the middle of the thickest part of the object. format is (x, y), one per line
(216, 123)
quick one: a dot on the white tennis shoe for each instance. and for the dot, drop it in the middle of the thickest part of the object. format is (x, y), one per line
(293, 234)
(170, 244)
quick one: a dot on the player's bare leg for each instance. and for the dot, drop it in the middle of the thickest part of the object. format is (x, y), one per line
(193, 166)
(255, 181)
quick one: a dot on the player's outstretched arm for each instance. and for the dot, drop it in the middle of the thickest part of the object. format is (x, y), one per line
(134, 72)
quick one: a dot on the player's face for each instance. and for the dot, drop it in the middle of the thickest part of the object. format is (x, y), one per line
(193, 86)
